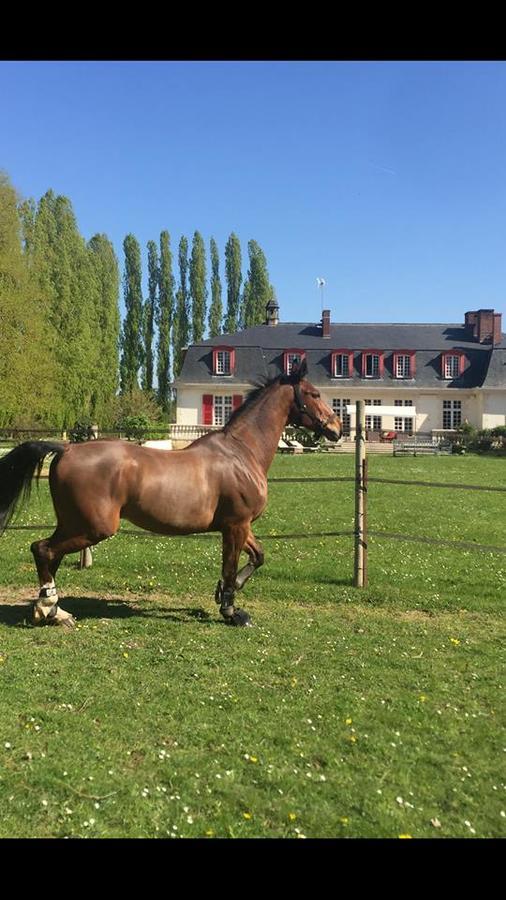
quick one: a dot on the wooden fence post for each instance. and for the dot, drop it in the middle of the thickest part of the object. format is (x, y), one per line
(85, 558)
(360, 577)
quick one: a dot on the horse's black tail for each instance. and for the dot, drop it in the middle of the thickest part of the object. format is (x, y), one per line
(17, 469)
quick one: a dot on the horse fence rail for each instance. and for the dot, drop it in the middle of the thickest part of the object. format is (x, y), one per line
(351, 478)
(297, 535)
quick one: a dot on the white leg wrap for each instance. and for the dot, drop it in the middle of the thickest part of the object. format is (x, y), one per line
(46, 610)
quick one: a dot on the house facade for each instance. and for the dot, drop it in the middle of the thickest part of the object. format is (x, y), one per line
(447, 373)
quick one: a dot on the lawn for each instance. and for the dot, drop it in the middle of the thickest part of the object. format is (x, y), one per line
(342, 713)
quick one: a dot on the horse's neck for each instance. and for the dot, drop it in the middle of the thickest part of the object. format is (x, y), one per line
(261, 427)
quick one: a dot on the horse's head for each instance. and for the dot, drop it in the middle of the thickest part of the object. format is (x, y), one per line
(308, 409)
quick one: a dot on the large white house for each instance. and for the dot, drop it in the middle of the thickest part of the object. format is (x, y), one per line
(448, 372)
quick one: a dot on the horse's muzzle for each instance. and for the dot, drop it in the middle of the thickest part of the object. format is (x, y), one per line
(332, 431)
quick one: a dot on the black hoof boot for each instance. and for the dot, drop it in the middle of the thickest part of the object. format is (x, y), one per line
(240, 618)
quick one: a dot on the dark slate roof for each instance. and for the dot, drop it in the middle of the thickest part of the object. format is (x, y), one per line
(307, 336)
(259, 352)
(495, 376)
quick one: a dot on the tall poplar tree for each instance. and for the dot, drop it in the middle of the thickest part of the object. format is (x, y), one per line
(198, 289)
(149, 316)
(131, 338)
(64, 274)
(181, 330)
(106, 269)
(216, 308)
(257, 288)
(164, 319)
(234, 278)
(28, 382)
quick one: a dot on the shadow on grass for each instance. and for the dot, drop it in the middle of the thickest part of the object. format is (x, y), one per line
(83, 608)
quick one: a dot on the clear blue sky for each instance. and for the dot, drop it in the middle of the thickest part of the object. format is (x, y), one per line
(387, 179)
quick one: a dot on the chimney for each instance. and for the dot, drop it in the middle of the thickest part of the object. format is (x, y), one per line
(471, 320)
(272, 312)
(326, 323)
(486, 325)
(497, 336)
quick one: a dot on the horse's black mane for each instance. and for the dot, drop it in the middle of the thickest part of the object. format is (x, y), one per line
(258, 388)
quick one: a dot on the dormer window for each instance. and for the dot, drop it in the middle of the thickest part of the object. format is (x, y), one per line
(342, 364)
(404, 364)
(291, 358)
(372, 364)
(452, 364)
(223, 361)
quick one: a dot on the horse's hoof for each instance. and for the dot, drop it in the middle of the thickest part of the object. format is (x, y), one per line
(240, 618)
(66, 621)
(59, 617)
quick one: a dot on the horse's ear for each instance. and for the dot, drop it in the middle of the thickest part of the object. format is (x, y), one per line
(299, 370)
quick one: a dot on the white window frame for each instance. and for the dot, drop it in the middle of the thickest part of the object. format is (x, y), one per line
(403, 365)
(291, 359)
(400, 423)
(222, 408)
(223, 362)
(452, 414)
(341, 360)
(372, 361)
(452, 365)
(373, 423)
(339, 407)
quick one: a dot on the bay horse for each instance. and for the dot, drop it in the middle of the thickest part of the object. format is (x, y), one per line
(217, 483)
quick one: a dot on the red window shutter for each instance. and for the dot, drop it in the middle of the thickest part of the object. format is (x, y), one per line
(232, 363)
(462, 362)
(236, 401)
(381, 364)
(207, 409)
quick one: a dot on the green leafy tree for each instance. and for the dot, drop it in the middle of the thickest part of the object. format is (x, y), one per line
(257, 288)
(181, 330)
(234, 278)
(149, 316)
(28, 373)
(164, 318)
(198, 289)
(132, 355)
(216, 308)
(61, 265)
(106, 271)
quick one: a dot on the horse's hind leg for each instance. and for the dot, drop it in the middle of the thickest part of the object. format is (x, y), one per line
(256, 555)
(234, 539)
(48, 555)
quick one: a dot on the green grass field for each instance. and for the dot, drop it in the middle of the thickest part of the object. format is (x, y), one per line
(342, 713)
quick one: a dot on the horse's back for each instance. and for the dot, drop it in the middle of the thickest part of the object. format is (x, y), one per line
(170, 492)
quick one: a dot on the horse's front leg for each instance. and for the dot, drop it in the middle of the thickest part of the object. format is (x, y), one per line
(256, 559)
(234, 538)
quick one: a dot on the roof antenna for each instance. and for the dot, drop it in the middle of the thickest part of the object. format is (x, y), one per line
(321, 284)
